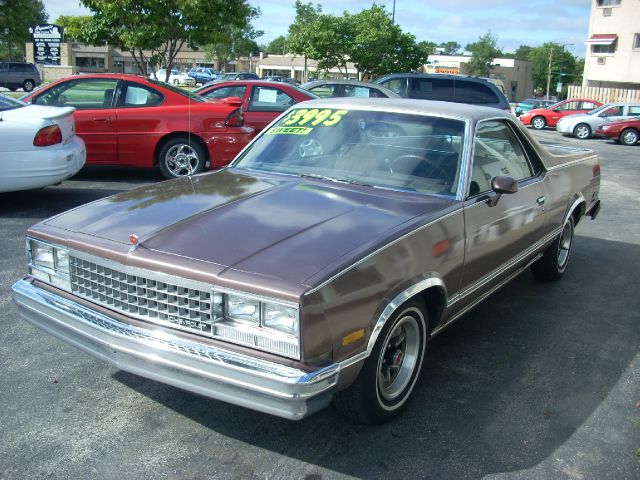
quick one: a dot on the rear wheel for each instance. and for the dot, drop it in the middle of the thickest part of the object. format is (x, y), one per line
(555, 259)
(388, 376)
(629, 136)
(180, 157)
(538, 123)
(582, 131)
(28, 85)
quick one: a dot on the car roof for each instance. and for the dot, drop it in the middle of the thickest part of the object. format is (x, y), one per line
(463, 111)
(455, 76)
(357, 83)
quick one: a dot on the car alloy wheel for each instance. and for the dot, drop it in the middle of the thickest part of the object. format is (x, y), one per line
(28, 85)
(629, 137)
(538, 123)
(582, 131)
(180, 157)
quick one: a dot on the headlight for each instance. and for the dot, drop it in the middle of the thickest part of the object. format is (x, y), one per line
(254, 321)
(48, 263)
(605, 127)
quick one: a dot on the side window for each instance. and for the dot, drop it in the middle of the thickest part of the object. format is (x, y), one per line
(497, 152)
(398, 85)
(83, 94)
(136, 95)
(569, 106)
(324, 91)
(634, 110)
(360, 92)
(225, 92)
(268, 99)
(587, 106)
(3, 67)
(611, 112)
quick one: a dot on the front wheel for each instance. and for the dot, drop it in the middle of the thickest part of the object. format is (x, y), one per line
(538, 123)
(555, 259)
(28, 85)
(582, 131)
(629, 137)
(389, 374)
(180, 157)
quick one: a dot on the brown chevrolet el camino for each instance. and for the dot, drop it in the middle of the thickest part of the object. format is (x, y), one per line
(315, 267)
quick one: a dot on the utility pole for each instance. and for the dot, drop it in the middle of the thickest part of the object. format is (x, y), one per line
(549, 73)
(393, 12)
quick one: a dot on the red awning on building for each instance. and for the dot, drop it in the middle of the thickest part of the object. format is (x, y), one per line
(602, 39)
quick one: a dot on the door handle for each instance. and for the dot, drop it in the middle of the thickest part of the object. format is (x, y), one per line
(101, 119)
(541, 200)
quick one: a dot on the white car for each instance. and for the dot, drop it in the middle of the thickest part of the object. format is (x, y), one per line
(583, 125)
(177, 77)
(38, 145)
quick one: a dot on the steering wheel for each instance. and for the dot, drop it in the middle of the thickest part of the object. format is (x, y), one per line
(310, 147)
(414, 161)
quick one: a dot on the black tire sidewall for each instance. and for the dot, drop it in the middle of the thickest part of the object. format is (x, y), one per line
(533, 122)
(28, 85)
(162, 154)
(575, 129)
(378, 409)
(622, 141)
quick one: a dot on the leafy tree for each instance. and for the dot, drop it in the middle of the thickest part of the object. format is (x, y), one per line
(16, 17)
(73, 25)
(277, 46)
(522, 52)
(450, 48)
(298, 35)
(379, 46)
(483, 53)
(235, 42)
(164, 27)
(564, 66)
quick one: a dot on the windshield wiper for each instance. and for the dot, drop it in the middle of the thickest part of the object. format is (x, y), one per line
(332, 179)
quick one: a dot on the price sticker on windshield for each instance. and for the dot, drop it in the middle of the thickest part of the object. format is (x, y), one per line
(314, 117)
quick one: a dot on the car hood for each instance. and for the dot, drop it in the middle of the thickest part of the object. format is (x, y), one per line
(281, 227)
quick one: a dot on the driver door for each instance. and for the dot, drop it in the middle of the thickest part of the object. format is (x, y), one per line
(498, 236)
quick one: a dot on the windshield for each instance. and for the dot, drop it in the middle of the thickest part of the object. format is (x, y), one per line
(378, 149)
(9, 103)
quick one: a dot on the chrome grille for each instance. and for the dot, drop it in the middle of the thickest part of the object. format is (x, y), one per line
(162, 301)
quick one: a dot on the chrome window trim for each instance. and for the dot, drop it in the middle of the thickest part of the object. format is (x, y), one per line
(568, 164)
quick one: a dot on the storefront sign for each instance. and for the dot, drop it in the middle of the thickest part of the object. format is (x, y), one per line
(46, 43)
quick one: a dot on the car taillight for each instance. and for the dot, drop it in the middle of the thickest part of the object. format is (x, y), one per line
(48, 136)
(235, 118)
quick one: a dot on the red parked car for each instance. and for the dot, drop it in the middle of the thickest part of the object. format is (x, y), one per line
(540, 118)
(262, 101)
(139, 122)
(627, 132)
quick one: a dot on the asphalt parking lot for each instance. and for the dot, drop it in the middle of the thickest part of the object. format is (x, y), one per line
(541, 381)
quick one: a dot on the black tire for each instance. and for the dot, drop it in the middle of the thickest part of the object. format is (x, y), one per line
(629, 137)
(582, 131)
(28, 85)
(388, 376)
(176, 82)
(13, 89)
(538, 122)
(181, 156)
(555, 259)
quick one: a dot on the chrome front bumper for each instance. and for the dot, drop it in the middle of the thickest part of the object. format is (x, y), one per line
(210, 371)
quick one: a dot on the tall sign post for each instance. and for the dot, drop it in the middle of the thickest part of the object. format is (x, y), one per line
(46, 43)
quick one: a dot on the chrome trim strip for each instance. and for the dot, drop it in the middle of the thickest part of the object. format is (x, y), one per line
(568, 164)
(485, 295)
(157, 354)
(375, 252)
(434, 280)
(580, 199)
(500, 270)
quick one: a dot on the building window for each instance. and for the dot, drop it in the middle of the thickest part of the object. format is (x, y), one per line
(636, 41)
(608, 3)
(90, 62)
(604, 49)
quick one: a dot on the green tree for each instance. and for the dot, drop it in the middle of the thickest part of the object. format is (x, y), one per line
(16, 17)
(73, 26)
(522, 52)
(163, 28)
(379, 46)
(298, 35)
(277, 46)
(450, 48)
(483, 53)
(551, 63)
(233, 43)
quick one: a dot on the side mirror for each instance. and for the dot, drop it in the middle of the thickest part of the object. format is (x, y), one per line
(501, 185)
(234, 101)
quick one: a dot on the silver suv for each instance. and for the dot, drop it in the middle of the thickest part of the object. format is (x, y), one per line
(15, 75)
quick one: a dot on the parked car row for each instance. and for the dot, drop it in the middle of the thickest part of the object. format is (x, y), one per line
(585, 118)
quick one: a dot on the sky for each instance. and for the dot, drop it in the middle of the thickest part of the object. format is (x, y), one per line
(514, 22)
